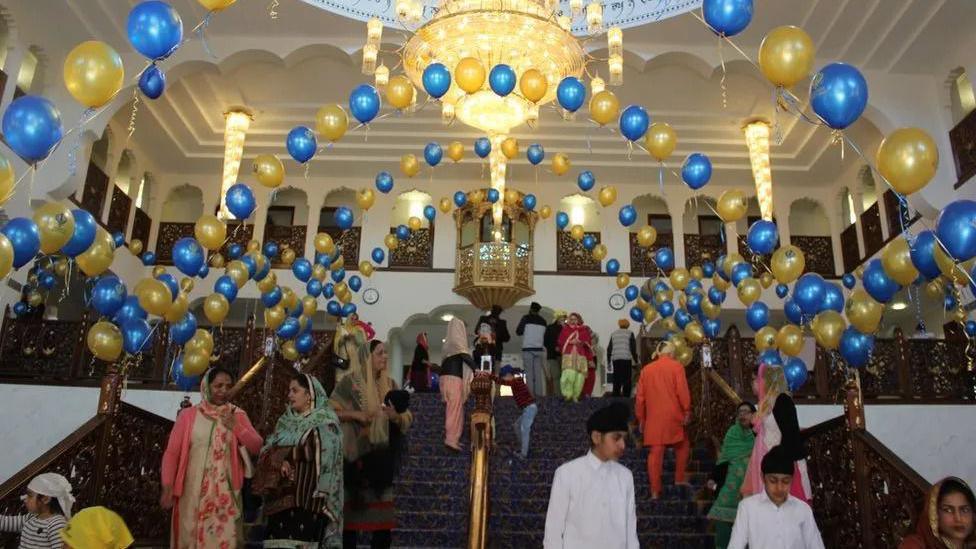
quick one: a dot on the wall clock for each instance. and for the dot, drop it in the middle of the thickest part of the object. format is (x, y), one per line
(371, 296)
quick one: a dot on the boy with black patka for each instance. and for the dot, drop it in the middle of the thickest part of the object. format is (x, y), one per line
(525, 401)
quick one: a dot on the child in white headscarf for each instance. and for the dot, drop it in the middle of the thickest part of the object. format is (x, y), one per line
(48, 501)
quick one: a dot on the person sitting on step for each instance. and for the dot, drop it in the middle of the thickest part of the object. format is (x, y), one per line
(525, 401)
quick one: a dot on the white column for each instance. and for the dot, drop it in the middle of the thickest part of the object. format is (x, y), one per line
(315, 202)
(858, 200)
(781, 211)
(676, 208)
(15, 58)
(834, 215)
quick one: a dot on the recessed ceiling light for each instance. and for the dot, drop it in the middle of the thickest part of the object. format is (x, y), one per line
(447, 317)
(899, 305)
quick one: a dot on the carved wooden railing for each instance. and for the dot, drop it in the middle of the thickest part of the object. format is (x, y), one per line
(482, 439)
(572, 257)
(95, 191)
(871, 230)
(118, 212)
(292, 236)
(348, 242)
(713, 407)
(818, 251)
(963, 140)
(701, 248)
(416, 252)
(169, 233)
(642, 259)
(849, 250)
(750, 257)
(141, 226)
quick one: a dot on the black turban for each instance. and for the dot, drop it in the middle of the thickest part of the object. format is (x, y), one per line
(399, 399)
(609, 418)
(777, 462)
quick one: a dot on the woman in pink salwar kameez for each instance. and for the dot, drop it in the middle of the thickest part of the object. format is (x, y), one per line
(457, 370)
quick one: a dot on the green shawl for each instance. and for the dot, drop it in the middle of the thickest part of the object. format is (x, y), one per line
(737, 444)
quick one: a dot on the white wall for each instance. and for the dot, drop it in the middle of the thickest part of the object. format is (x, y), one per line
(183, 205)
(294, 198)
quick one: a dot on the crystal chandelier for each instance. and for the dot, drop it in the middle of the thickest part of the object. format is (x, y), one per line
(757, 139)
(237, 122)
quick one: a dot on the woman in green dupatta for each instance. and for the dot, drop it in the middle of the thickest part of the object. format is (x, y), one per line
(730, 471)
(300, 471)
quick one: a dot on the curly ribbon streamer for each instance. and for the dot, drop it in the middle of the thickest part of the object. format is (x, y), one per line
(660, 176)
(273, 9)
(721, 58)
(307, 167)
(86, 116)
(201, 29)
(132, 116)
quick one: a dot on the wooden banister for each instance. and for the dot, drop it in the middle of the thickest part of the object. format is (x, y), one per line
(482, 388)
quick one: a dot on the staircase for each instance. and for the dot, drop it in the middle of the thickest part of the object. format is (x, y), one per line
(519, 490)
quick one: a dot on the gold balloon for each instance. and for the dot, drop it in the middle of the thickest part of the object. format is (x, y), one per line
(365, 199)
(560, 164)
(545, 212)
(607, 195)
(332, 122)
(732, 205)
(186, 284)
(577, 232)
(469, 74)
(959, 315)
(55, 225)
(210, 231)
(344, 297)
(339, 263)
(400, 92)
(135, 246)
(896, 260)
(98, 257)
(288, 351)
(455, 151)
(935, 289)
(664, 295)
(908, 159)
(599, 252)
(7, 180)
(694, 332)
(237, 270)
(765, 338)
(216, 5)
(511, 197)
(260, 261)
(268, 170)
(510, 147)
(863, 312)
(786, 55)
(215, 308)
(391, 242)
(217, 261)
(201, 342)
(684, 355)
(341, 288)
(324, 244)
(268, 283)
(477, 197)
(445, 205)
(660, 140)
(750, 290)
(319, 272)
(154, 296)
(533, 85)
(678, 340)
(409, 165)
(34, 298)
(289, 299)
(93, 73)
(788, 263)
(623, 280)
(366, 268)
(178, 309)
(828, 327)
(679, 278)
(309, 305)
(710, 309)
(604, 107)
(859, 272)
(158, 271)
(60, 266)
(646, 236)
(274, 316)
(195, 364)
(766, 279)
(414, 223)
(790, 340)
(696, 272)
(288, 256)
(105, 341)
(955, 272)
(253, 246)
(731, 260)
(720, 282)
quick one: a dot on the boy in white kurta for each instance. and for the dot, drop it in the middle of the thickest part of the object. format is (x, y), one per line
(592, 499)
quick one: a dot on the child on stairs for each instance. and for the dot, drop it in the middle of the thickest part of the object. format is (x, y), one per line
(48, 502)
(525, 401)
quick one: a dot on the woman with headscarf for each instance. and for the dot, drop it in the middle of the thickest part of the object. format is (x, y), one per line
(776, 424)
(946, 520)
(300, 471)
(457, 370)
(48, 501)
(370, 429)
(575, 346)
(730, 471)
(419, 374)
(203, 468)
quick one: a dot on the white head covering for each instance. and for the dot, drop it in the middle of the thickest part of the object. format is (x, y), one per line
(55, 486)
(457, 338)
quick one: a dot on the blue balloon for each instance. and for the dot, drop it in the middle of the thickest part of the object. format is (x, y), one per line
(433, 153)
(204, 271)
(631, 292)
(314, 287)
(384, 182)
(585, 180)
(272, 298)
(436, 80)
(535, 154)
(251, 264)
(171, 283)
(712, 327)
(130, 310)
(833, 298)
(716, 296)
(720, 266)
(188, 255)
(297, 310)
(289, 328)
(762, 237)
(84, 234)
(328, 291)
(771, 357)
(152, 82)
(333, 308)
(226, 287)
(271, 249)
(949, 301)
(694, 304)
(856, 347)
(627, 215)
(971, 328)
(613, 267)
(430, 212)
(304, 343)
(956, 229)
(665, 309)
(796, 373)
(922, 255)
(839, 95)
(149, 258)
(493, 195)
(571, 93)
(46, 280)
(682, 318)
(348, 309)
(344, 218)
(696, 171)
(183, 330)
(364, 103)
(338, 275)
(809, 292)
(482, 147)
(240, 200)
(694, 286)
(301, 144)
(502, 79)
(848, 280)
(727, 17)
(108, 295)
(378, 255)
(460, 199)
(708, 268)
(740, 272)
(135, 335)
(636, 314)
(528, 202)
(355, 283)
(562, 220)
(32, 127)
(403, 232)
(118, 238)
(589, 242)
(757, 315)
(21, 308)
(664, 258)
(154, 29)
(661, 286)
(180, 379)
(793, 312)
(302, 269)
(235, 251)
(782, 290)
(25, 239)
(634, 122)
(877, 283)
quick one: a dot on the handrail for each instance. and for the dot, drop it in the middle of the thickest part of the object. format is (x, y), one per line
(254, 370)
(482, 388)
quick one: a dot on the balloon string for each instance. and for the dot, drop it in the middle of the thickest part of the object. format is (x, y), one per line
(132, 116)
(660, 176)
(307, 168)
(721, 58)
(76, 145)
(200, 32)
(272, 9)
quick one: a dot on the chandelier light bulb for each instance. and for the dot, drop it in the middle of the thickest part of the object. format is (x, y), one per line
(616, 66)
(757, 139)
(615, 40)
(594, 17)
(576, 7)
(447, 112)
(370, 51)
(416, 11)
(374, 31)
(597, 85)
(382, 76)
(532, 117)
(236, 124)
(403, 9)
(565, 22)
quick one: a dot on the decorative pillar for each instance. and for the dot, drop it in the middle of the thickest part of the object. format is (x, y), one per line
(858, 199)
(676, 211)
(15, 58)
(834, 219)
(315, 202)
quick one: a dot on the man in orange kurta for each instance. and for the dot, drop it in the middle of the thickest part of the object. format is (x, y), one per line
(663, 409)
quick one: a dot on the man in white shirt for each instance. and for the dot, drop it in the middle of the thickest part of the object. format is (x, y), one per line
(773, 519)
(592, 499)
